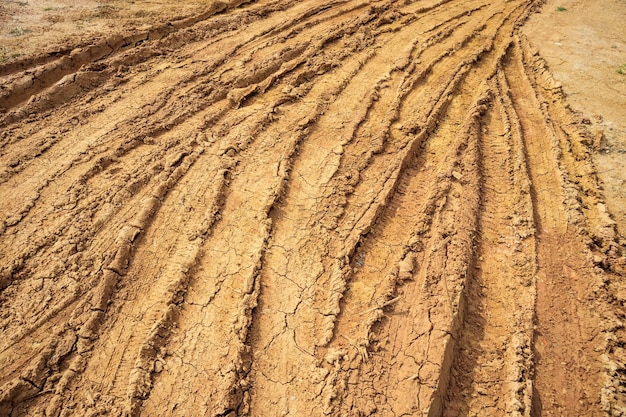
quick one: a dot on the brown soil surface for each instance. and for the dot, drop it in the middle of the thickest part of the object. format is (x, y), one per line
(585, 46)
(307, 208)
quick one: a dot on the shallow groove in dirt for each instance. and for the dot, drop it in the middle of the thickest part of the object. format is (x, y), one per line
(302, 208)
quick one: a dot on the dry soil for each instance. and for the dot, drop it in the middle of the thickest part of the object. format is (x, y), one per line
(304, 208)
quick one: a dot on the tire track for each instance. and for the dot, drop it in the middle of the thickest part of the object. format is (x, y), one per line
(500, 293)
(405, 251)
(78, 241)
(131, 351)
(366, 304)
(117, 154)
(164, 98)
(569, 275)
(305, 208)
(50, 73)
(226, 290)
(304, 189)
(132, 346)
(58, 363)
(83, 241)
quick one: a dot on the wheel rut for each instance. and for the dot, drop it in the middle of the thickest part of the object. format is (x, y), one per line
(341, 208)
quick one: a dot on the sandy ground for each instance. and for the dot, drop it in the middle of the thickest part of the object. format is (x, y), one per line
(288, 208)
(33, 27)
(585, 48)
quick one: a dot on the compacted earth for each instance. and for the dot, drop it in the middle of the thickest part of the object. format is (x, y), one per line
(312, 208)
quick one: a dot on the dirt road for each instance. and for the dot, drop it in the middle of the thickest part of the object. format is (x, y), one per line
(305, 208)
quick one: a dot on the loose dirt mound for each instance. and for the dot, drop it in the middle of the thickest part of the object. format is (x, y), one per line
(305, 208)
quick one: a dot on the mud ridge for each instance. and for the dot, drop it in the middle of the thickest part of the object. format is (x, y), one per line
(342, 208)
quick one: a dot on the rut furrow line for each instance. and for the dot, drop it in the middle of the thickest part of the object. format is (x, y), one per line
(272, 259)
(138, 389)
(421, 9)
(447, 91)
(95, 77)
(305, 22)
(196, 77)
(174, 293)
(564, 268)
(79, 202)
(365, 209)
(493, 365)
(252, 45)
(574, 144)
(94, 307)
(406, 65)
(277, 249)
(119, 42)
(140, 377)
(393, 115)
(53, 72)
(134, 142)
(405, 85)
(440, 247)
(164, 306)
(243, 301)
(409, 259)
(409, 17)
(39, 239)
(130, 144)
(243, 86)
(349, 234)
(28, 330)
(436, 400)
(592, 220)
(141, 388)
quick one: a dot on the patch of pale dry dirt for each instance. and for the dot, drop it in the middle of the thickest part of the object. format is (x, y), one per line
(288, 208)
(33, 27)
(585, 46)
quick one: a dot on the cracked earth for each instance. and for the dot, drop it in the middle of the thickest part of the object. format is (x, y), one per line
(306, 208)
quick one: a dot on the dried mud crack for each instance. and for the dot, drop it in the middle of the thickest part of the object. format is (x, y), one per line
(305, 208)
